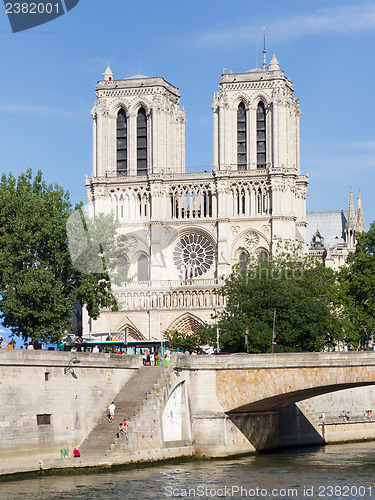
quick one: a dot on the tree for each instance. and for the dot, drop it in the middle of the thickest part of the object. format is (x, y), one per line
(38, 281)
(299, 292)
(357, 280)
(190, 341)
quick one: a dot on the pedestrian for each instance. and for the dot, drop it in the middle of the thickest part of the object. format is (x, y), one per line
(120, 429)
(30, 346)
(76, 453)
(10, 345)
(148, 357)
(152, 359)
(125, 428)
(111, 409)
(96, 349)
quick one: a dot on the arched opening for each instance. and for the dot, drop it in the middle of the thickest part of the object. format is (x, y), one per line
(243, 260)
(241, 137)
(263, 256)
(141, 142)
(122, 140)
(142, 268)
(261, 135)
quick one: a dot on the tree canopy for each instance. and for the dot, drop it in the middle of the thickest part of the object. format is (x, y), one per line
(38, 282)
(357, 286)
(301, 295)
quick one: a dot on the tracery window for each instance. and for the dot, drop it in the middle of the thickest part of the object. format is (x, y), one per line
(141, 142)
(122, 152)
(241, 137)
(193, 256)
(261, 135)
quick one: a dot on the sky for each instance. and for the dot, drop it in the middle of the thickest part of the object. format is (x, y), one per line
(326, 47)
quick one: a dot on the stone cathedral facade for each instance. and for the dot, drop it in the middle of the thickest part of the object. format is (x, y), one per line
(186, 230)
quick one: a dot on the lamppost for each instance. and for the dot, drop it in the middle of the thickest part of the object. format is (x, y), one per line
(247, 339)
(273, 332)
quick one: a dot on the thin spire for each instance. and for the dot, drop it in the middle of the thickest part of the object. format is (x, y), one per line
(351, 212)
(360, 218)
(264, 48)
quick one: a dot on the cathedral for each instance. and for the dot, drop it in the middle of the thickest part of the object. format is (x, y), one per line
(185, 231)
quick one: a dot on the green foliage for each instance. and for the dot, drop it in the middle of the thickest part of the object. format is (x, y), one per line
(301, 291)
(357, 280)
(191, 341)
(38, 282)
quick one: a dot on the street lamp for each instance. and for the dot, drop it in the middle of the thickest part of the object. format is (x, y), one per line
(247, 339)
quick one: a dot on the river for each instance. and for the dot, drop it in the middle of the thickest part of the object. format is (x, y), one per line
(345, 471)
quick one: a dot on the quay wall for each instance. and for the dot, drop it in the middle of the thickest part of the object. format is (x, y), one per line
(49, 403)
(35, 389)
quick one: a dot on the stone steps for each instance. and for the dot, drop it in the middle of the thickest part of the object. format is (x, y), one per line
(128, 403)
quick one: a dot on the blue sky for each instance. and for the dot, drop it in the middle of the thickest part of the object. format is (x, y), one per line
(326, 47)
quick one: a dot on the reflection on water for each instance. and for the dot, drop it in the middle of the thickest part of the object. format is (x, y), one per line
(336, 472)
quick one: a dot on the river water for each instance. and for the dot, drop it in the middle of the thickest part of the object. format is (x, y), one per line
(345, 471)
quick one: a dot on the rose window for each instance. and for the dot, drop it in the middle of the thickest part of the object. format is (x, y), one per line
(193, 256)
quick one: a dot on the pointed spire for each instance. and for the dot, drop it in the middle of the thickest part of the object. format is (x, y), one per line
(108, 75)
(351, 211)
(274, 64)
(264, 49)
(360, 219)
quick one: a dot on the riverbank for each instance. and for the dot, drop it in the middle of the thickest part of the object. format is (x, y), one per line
(53, 401)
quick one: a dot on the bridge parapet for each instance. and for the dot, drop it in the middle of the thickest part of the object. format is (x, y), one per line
(277, 360)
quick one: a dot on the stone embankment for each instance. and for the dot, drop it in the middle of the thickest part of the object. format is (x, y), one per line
(211, 405)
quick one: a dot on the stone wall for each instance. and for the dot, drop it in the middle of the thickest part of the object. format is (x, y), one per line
(50, 403)
(34, 390)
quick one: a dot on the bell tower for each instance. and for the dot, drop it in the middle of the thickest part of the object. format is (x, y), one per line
(256, 137)
(138, 127)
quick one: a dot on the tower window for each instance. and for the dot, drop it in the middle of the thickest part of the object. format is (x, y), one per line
(141, 142)
(261, 136)
(122, 153)
(241, 137)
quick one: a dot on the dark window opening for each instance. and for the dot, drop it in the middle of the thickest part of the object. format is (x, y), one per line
(241, 138)
(43, 419)
(122, 148)
(261, 136)
(141, 142)
(46, 376)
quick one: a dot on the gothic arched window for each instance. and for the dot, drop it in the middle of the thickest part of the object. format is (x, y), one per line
(263, 256)
(122, 138)
(243, 261)
(261, 135)
(141, 142)
(142, 265)
(241, 137)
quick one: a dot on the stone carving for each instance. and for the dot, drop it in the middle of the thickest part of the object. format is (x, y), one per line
(251, 239)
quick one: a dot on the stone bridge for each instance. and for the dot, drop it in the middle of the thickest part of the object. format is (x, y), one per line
(262, 382)
(213, 405)
(237, 400)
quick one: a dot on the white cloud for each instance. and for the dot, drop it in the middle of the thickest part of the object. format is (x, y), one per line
(40, 111)
(346, 19)
(364, 145)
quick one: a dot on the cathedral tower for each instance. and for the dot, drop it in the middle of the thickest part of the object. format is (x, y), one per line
(139, 127)
(256, 137)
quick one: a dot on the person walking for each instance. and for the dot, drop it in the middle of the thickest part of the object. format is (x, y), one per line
(111, 409)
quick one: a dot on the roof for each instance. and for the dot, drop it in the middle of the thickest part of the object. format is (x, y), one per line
(331, 225)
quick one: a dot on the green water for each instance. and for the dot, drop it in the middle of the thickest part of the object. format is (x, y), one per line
(333, 472)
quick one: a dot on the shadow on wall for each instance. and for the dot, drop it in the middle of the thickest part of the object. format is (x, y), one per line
(275, 429)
